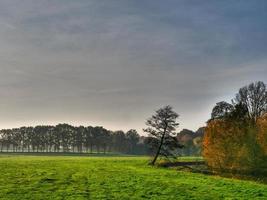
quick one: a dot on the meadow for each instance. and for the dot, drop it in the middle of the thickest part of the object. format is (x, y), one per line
(75, 177)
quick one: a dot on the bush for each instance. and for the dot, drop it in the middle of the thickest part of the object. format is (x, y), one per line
(236, 146)
(262, 136)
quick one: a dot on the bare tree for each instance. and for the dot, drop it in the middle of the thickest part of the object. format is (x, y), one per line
(254, 98)
(161, 127)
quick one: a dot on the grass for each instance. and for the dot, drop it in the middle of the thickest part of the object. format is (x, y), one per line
(61, 177)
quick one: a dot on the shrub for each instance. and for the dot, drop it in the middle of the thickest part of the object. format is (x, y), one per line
(236, 146)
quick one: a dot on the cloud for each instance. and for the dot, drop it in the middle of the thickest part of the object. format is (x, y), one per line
(114, 62)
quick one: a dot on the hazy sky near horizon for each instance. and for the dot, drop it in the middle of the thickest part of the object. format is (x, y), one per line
(114, 62)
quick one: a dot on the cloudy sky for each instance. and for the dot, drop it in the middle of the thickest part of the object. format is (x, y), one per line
(114, 62)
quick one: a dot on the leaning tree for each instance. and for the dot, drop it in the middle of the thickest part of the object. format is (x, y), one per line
(162, 130)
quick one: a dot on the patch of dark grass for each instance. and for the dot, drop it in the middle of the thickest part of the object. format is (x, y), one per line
(201, 167)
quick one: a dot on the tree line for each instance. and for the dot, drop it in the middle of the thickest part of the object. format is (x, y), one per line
(68, 138)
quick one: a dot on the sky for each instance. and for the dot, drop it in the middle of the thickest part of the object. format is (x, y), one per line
(112, 63)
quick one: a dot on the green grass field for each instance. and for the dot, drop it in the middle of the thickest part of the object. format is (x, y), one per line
(59, 177)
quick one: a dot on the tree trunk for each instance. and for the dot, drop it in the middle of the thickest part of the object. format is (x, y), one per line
(91, 148)
(158, 151)
(105, 147)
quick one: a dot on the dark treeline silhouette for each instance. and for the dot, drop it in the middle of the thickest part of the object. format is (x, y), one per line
(67, 138)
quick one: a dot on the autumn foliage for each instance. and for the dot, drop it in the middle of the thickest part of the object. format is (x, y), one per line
(235, 138)
(236, 147)
(262, 135)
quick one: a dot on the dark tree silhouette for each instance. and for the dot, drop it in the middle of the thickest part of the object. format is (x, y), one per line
(67, 138)
(119, 141)
(222, 109)
(254, 98)
(161, 127)
(249, 104)
(132, 138)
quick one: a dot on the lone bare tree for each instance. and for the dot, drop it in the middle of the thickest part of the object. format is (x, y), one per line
(161, 127)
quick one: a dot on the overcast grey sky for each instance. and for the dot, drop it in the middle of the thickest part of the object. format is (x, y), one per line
(113, 62)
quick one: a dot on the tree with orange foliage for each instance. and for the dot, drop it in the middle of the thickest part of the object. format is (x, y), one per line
(262, 135)
(236, 141)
